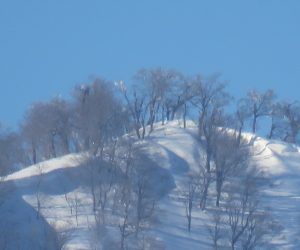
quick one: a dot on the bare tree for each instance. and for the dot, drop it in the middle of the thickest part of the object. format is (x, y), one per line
(157, 90)
(144, 201)
(126, 226)
(38, 193)
(210, 126)
(138, 108)
(239, 118)
(97, 115)
(210, 98)
(134, 198)
(46, 128)
(74, 202)
(107, 175)
(215, 230)
(101, 176)
(32, 132)
(156, 83)
(239, 213)
(61, 113)
(189, 196)
(12, 155)
(248, 223)
(291, 117)
(111, 186)
(178, 97)
(209, 94)
(230, 156)
(134, 209)
(259, 225)
(258, 105)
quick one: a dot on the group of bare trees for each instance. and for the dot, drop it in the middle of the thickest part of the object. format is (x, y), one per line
(284, 116)
(12, 155)
(237, 219)
(241, 223)
(59, 127)
(56, 127)
(101, 113)
(162, 95)
(46, 129)
(121, 192)
(156, 95)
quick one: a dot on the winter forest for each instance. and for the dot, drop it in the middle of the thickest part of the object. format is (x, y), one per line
(166, 161)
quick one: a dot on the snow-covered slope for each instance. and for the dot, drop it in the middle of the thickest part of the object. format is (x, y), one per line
(281, 162)
(173, 149)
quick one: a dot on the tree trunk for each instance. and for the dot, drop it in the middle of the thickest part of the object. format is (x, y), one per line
(219, 184)
(239, 136)
(201, 123)
(184, 115)
(190, 213)
(163, 115)
(254, 124)
(34, 154)
(144, 132)
(189, 222)
(270, 136)
(53, 150)
(137, 131)
(204, 197)
(218, 195)
(66, 144)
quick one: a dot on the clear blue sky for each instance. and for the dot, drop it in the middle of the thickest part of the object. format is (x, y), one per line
(48, 46)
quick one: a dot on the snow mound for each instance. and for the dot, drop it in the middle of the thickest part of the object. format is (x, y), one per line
(175, 152)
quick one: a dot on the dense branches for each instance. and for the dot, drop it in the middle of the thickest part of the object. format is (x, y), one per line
(46, 129)
(257, 105)
(101, 119)
(230, 157)
(12, 154)
(97, 113)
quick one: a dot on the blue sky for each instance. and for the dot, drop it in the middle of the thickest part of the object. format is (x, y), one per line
(46, 47)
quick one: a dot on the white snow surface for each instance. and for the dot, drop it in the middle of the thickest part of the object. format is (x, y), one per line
(174, 149)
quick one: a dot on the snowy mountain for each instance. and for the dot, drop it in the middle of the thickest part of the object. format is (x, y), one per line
(54, 196)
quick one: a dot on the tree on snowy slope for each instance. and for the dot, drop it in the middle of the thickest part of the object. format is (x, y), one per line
(46, 129)
(12, 154)
(240, 222)
(97, 115)
(213, 120)
(135, 195)
(103, 174)
(154, 83)
(177, 99)
(291, 118)
(257, 105)
(230, 156)
(245, 220)
(239, 119)
(137, 106)
(156, 92)
(278, 126)
(285, 121)
(189, 197)
(209, 98)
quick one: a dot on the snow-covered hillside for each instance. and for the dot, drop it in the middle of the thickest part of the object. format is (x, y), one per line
(60, 187)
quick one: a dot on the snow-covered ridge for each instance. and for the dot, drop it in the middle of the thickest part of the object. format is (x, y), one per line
(67, 161)
(177, 151)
